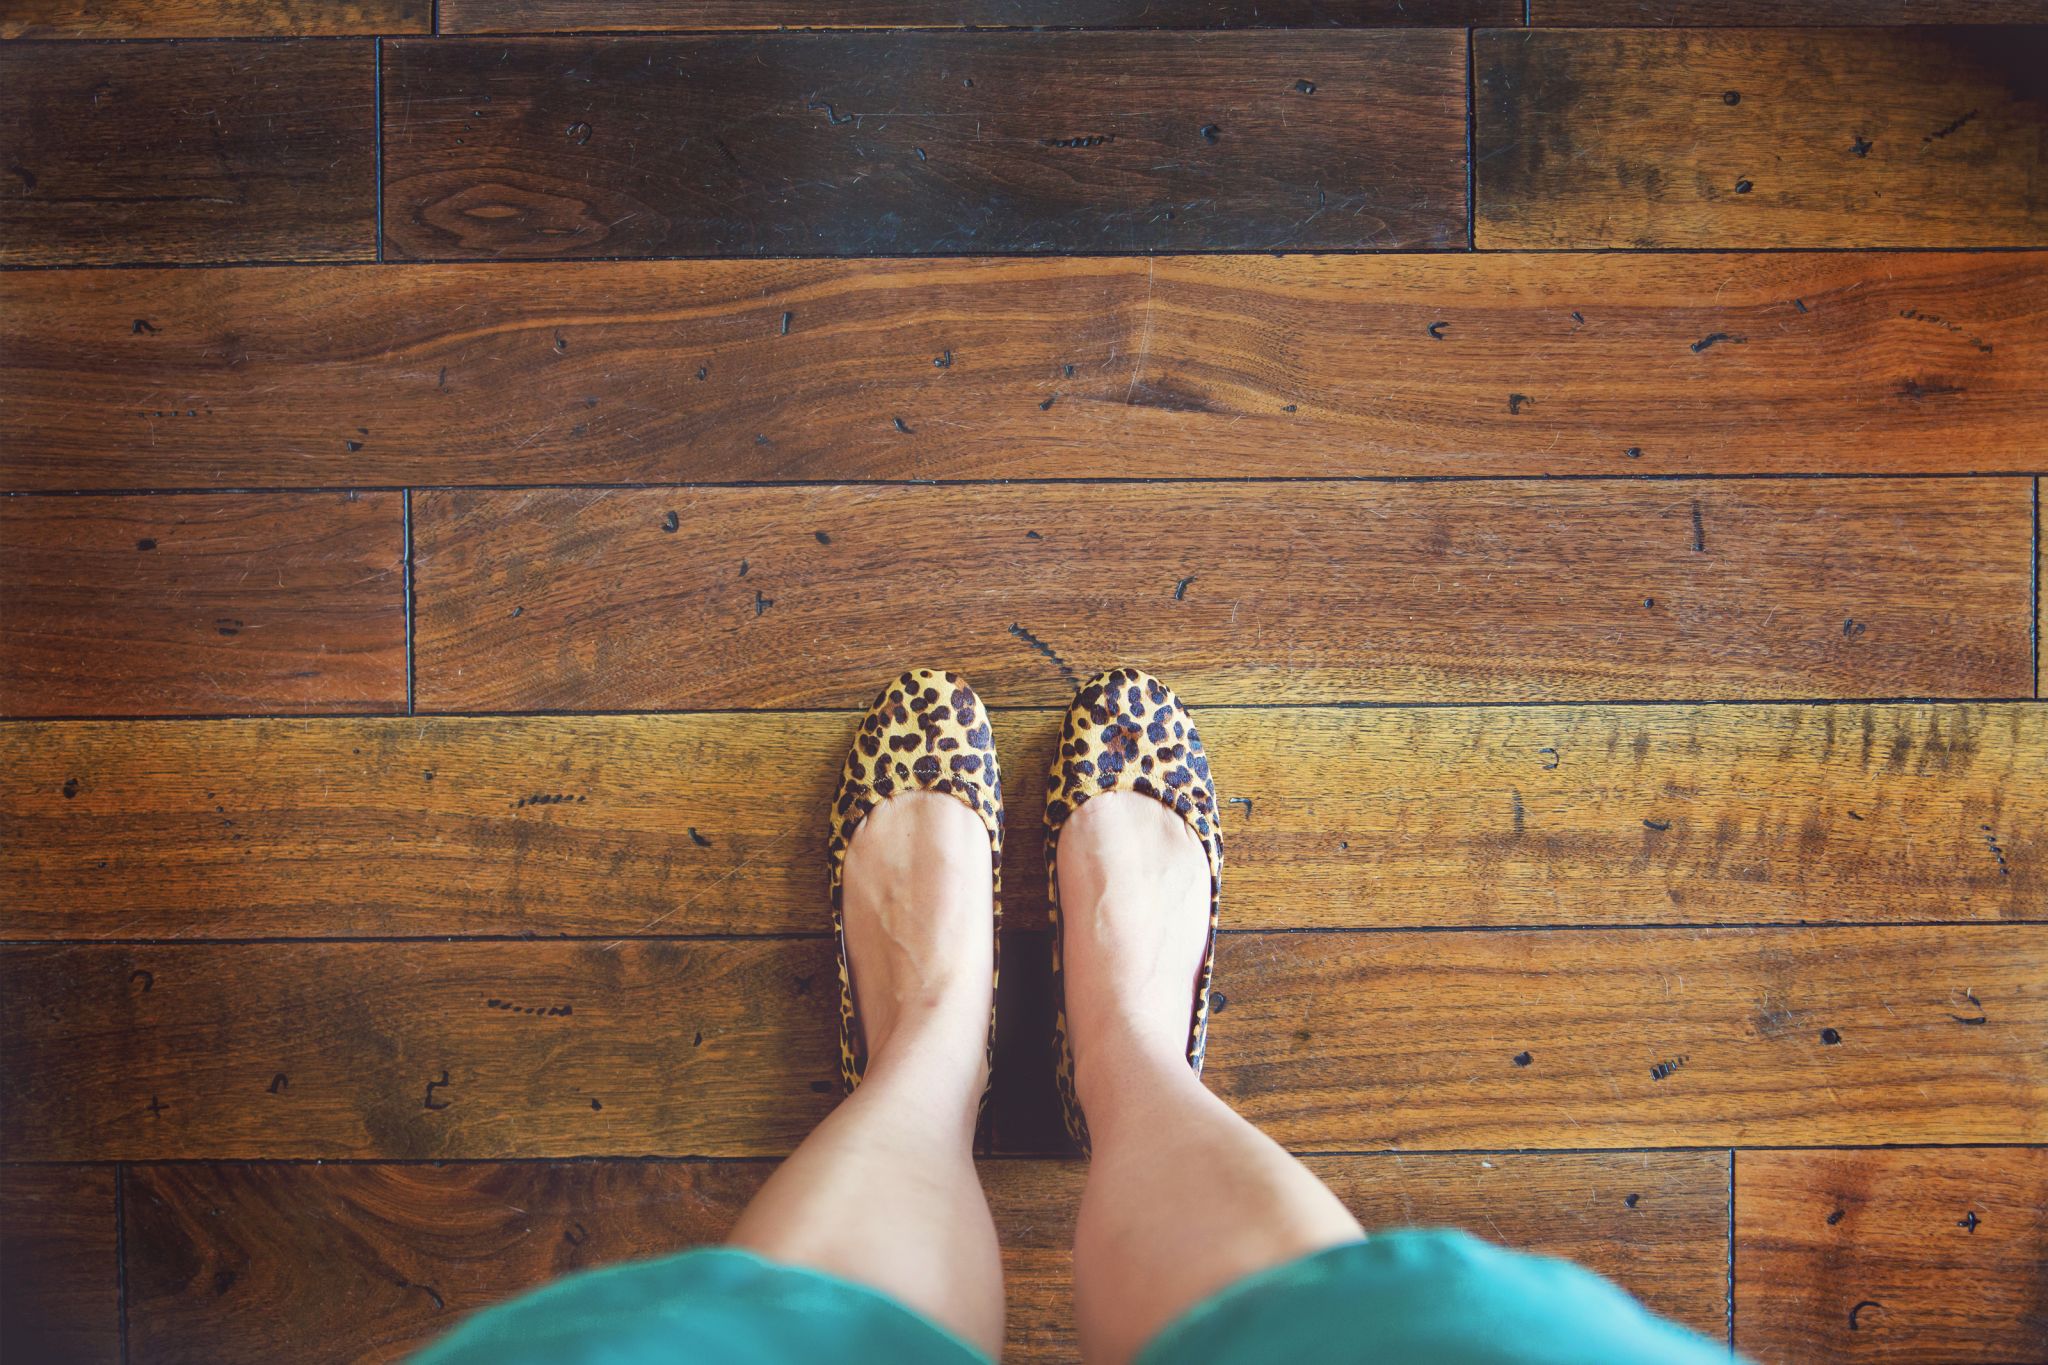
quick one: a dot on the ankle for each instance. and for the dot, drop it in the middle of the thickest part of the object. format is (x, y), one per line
(1124, 1062)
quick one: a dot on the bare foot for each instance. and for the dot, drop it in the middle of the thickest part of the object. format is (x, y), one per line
(917, 898)
(1134, 910)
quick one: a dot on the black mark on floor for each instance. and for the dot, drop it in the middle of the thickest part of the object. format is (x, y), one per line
(1516, 401)
(1991, 841)
(901, 426)
(943, 361)
(1830, 1037)
(1305, 87)
(1861, 145)
(1180, 589)
(1522, 1059)
(1835, 1217)
(1699, 528)
(832, 116)
(1047, 651)
(145, 976)
(1913, 390)
(1659, 825)
(670, 522)
(426, 1289)
(1715, 339)
(1854, 1325)
(1244, 801)
(1083, 140)
(698, 839)
(142, 326)
(1953, 125)
(70, 788)
(543, 1011)
(432, 1086)
(1969, 1220)
(761, 604)
(1436, 330)
(1548, 753)
(1979, 1018)
(1211, 133)
(549, 799)
(1633, 1200)
(787, 318)
(1668, 1068)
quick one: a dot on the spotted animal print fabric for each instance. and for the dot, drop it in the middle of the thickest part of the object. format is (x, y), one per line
(926, 731)
(1127, 731)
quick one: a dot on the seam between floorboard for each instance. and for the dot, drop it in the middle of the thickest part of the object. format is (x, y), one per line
(1022, 935)
(1338, 480)
(1013, 708)
(699, 1158)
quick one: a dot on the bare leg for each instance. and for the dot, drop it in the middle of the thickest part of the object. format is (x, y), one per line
(884, 1191)
(1184, 1196)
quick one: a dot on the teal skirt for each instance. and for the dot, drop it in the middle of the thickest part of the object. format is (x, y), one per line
(1432, 1296)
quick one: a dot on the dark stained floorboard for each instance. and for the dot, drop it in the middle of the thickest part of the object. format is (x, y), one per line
(1642, 138)
(1797, 13)
(589, 599)
(1912, 1255)
(1331, 1041)
(194, 605)
(106, 19)
(1338, 818)
(60, 1271)
(234, 1263)
(674, 371)
(159, 152)
(909, 143)
(516, 16)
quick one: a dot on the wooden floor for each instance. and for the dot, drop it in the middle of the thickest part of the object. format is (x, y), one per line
(1582, 460)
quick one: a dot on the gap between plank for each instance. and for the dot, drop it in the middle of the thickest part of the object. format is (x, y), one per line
(1731, 1250)
(121, 1252)
(411, 668)
(556, 713)
(377, 123)
(699, 1159)
(825, 935)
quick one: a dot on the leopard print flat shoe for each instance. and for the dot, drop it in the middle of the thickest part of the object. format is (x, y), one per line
(926, 731)
(1128, 732)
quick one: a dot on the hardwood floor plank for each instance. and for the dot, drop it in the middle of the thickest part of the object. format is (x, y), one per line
(924, 143)
(588, 599)
(1924, 137)
(163, 152)
(1795, 13)
(190, 605)
(1181, 367)
(710, 823)
(60, 1275)
(232, 1263)
(1930, 1256)
(102, 19)
(1637, 1038)
(528, 16)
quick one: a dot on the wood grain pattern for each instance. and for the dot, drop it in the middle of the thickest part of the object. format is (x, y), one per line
(923, 143)
(232, 1263)
(1798, 13)
(148, 152)
(1177, 367)
(59, 1266)
(213, 18)
(585, 599)
(199, 604)
(710, 823)
(1761, 138)
(528, 16)
(1924, 1256)
(1330, 1041)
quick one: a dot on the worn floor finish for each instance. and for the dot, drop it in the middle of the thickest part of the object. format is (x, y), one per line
(466, 464)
